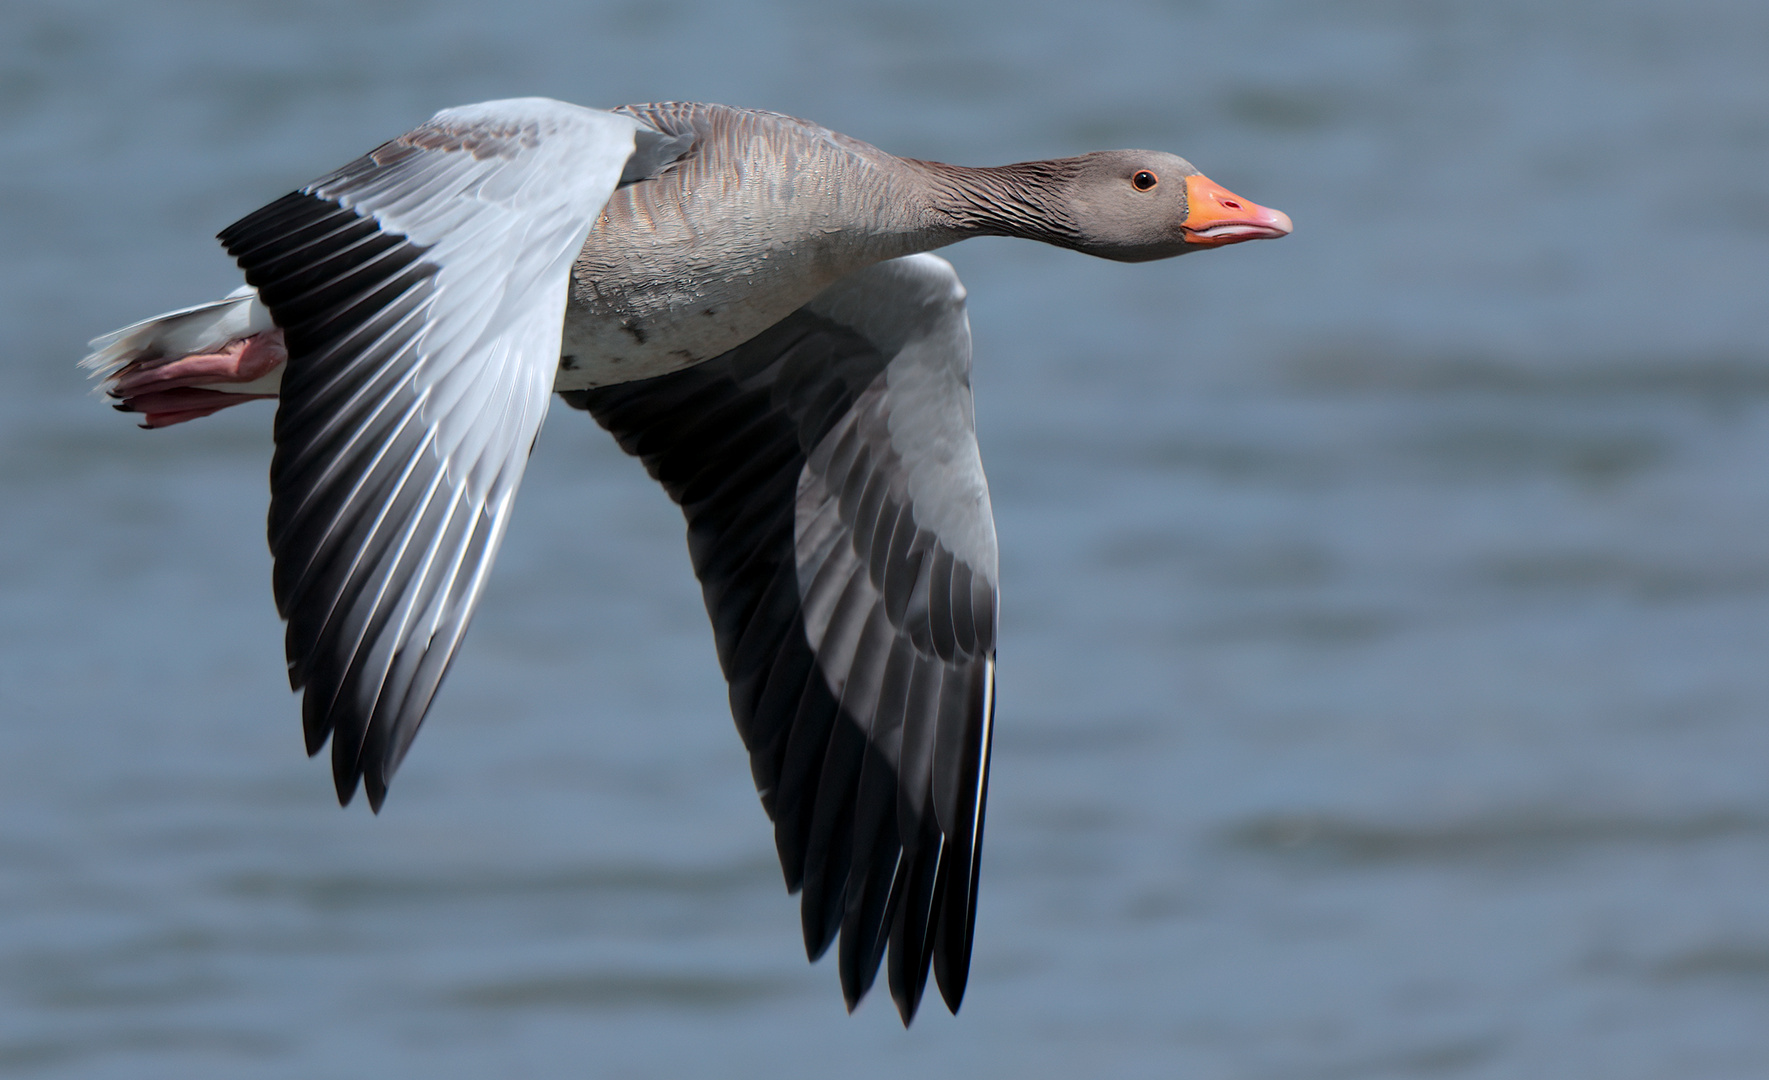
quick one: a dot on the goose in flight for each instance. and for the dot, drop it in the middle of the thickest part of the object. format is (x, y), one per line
(744, 301)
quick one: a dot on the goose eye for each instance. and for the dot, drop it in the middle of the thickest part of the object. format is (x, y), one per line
(1145, 180)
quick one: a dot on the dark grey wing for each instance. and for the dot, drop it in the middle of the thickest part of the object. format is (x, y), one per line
(840, 526)
(421, 290)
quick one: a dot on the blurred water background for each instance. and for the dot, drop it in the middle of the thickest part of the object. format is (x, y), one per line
(1385, 610)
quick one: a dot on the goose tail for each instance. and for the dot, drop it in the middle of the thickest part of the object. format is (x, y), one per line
(191, 362)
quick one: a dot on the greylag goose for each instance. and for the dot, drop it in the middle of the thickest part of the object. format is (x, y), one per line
(744, 300)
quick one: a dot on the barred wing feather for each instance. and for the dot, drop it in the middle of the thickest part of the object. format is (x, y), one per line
(839, 523)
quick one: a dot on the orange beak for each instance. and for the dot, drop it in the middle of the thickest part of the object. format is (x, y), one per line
(1217, 216)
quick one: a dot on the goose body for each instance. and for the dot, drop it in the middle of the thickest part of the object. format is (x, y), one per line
(699, 259)
(745, 301)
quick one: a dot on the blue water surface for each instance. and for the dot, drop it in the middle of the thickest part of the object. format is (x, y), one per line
(1384, 670)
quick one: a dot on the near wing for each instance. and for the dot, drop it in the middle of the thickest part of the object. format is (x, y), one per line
(840, 526)
(421, 290)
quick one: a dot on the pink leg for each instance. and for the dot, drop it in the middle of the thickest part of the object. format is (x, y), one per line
(167, 390)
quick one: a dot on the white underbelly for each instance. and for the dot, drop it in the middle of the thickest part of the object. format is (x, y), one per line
(666, 326)
(605, 351)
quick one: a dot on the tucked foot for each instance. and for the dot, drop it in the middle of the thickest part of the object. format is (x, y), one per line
(171, 390)
(163, 408)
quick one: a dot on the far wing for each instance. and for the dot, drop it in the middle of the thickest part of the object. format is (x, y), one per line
(840, 526)
(421, 290)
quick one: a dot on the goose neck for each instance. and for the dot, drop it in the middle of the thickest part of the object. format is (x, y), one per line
(1029, 200)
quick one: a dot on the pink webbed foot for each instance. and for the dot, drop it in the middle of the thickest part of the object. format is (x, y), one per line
(163, 408)
(171, 390)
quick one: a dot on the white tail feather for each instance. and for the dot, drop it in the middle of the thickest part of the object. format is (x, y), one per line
(203, 328)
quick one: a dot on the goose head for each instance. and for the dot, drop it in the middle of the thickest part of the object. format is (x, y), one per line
(1139, 205)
